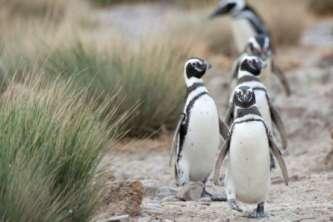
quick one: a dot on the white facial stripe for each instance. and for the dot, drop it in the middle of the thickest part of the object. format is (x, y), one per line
(238, 90)
(192, 61)
(247, 57)
(266, 43)
(240, 4)
(255, 43)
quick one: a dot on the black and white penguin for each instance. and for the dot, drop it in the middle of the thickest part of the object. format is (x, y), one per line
(247, 73)
(198, 133)
(251, 35)
(246, 22)
(247, 175)
(260, 46)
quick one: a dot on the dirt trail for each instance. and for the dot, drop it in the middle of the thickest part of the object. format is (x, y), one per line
(308, 115)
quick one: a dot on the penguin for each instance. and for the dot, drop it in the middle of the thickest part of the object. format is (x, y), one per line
(247, 73)
(246, 22)
(260, 46)
(247, 175)
(199, 131)
(251, 35)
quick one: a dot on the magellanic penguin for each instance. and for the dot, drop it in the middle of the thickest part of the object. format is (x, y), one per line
(246, 22)
(198, 133)
(248, 73)
(251, 34)
(247, 175)
(260, 46)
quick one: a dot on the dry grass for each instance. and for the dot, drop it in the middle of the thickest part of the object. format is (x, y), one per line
(148, 78)
(322, 7)
(287, 29)
(51, 144)
(33, 8)
(188, 4)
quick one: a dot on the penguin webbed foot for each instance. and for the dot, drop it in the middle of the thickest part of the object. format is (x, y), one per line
(213, 197)
(257, 213)
(234, 205)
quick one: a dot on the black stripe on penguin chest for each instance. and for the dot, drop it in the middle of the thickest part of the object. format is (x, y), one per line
(185, 124)
(189, 108)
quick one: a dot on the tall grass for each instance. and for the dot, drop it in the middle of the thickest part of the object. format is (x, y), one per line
(286, 30)
(148, 78)
(181, 3)
(34, 8)
(51, 141)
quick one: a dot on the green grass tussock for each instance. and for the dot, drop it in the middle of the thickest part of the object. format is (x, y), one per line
(148, 79)
(51, 141)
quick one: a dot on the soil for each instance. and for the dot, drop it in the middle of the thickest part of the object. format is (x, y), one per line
(308, 115)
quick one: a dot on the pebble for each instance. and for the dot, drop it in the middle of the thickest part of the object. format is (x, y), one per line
(191, 191)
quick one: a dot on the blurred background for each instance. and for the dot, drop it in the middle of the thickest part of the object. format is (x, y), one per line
(92, 89)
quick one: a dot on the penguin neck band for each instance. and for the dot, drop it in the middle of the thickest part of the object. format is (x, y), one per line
(194, 87)
(247, 78)
(246, 111)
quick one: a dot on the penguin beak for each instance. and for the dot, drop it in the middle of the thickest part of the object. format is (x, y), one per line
(222, 10)
(259, 64)
(208, 66)
(264, 64)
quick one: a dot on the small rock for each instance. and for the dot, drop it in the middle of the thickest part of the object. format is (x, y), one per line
(165, 191)
(124, 198)
(169, 199)
(191, 191)
(153, 207)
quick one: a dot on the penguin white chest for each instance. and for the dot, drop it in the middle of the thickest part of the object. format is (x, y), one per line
(243, 31)
(249, 162)
(202, 141)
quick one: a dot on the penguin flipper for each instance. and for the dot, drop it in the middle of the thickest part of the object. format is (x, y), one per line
(175, 140)
(229, 115)
(219, 162)
(277, 120)
(277, 153)
(224, 130)
(282, 77)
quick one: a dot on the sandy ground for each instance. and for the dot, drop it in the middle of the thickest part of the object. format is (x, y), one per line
(308, 115)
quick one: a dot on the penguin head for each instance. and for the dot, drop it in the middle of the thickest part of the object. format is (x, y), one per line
(244, 97)
(259, 46)
(228, 6)
(195, 68)
(251, 65)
